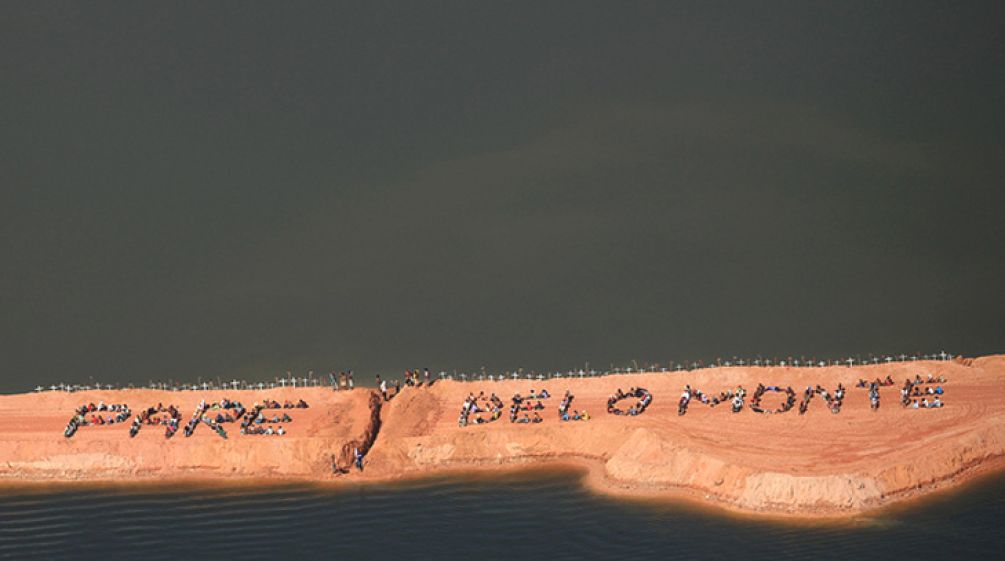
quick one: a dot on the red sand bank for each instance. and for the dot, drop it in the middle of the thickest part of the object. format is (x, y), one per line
(814, 465)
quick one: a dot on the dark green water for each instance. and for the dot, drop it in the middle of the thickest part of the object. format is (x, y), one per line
(526, 516)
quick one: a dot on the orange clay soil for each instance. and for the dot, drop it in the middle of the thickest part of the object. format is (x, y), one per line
(32, 446)
(814, 465)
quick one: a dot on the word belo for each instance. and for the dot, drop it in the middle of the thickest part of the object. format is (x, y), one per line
(253, 421)
(520, 404)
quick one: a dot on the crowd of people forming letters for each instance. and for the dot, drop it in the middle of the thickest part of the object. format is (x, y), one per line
(91, 414)
(918, 388)
(254, 421)
(912, 389)
(644, 399)
(480, 409)
(917, 393)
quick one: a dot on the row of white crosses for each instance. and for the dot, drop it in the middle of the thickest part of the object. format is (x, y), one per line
(76, 387)
(802, 361)
(310, 380)
(694, 365)
(173, 386)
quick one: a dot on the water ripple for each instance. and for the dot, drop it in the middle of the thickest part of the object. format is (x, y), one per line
(542, 517)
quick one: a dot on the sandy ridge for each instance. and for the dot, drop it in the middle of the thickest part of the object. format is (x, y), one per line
(813, 465)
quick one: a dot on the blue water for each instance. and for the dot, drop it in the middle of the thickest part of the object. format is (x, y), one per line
(523, 516)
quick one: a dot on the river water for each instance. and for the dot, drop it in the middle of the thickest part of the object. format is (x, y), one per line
(546, 515)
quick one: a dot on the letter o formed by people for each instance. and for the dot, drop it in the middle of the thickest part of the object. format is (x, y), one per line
(788, 404)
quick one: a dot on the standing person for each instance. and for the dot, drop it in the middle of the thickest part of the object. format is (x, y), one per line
(331, 378)
(383, 388)
(359, 458)
(350, 380)
(425, 374)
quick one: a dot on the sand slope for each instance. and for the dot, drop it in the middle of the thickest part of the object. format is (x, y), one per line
(817, 464)
(813, 464)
